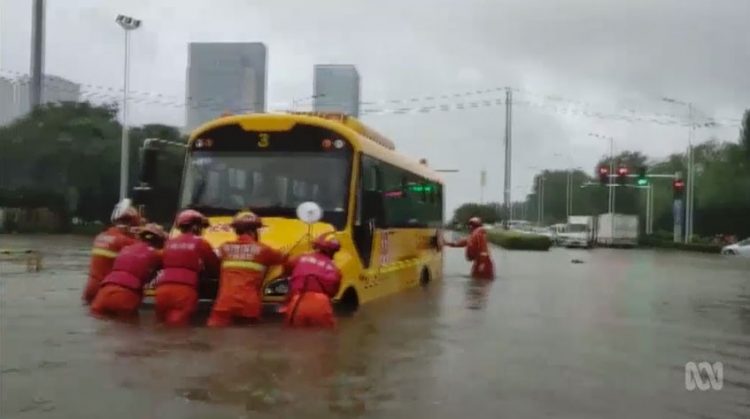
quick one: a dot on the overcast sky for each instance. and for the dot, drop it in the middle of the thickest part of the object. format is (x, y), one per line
(612, 56)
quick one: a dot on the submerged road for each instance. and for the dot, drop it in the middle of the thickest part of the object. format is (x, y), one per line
(607, 338)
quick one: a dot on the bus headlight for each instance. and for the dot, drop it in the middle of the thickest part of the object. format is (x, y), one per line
(277, 287)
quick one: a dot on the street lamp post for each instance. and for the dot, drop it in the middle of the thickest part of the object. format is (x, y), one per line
(690, 168)
(128, 24)
(610, 186)
(568, 184)
(611, 203)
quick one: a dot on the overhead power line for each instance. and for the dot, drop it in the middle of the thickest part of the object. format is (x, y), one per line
(444, 102)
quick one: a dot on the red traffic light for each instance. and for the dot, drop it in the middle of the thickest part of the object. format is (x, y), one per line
(622, 171)
(603, 175)
(678, 184)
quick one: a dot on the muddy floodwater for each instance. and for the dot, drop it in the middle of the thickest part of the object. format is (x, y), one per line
(606, 338)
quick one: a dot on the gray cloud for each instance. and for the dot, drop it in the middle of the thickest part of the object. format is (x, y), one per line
(613, 54)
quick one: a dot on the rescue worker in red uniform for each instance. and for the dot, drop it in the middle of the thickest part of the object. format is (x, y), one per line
(243, 266)
(477, 250)
(313, 282)
(121, 291)
(185, 258)
(107, 246)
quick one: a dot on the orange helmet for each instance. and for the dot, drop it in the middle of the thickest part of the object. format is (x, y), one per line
(475, 222)
(247, 220)
(191, 217)
(327, 244)
(151, 232)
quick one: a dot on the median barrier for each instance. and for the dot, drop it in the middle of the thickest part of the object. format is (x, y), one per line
(514, 240)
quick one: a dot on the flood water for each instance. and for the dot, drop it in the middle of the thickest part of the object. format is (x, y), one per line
(606, 338)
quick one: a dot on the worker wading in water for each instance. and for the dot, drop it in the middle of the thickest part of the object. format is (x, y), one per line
(314, 280)
(107, 245)
(477, 250)
(185, 258)
(244, 263)
(121, 292)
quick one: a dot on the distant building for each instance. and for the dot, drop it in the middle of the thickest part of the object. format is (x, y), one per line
(224, 77)
(336, 89)
(14, 95)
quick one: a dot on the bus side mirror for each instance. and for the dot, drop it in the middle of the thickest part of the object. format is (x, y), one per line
(149, 161)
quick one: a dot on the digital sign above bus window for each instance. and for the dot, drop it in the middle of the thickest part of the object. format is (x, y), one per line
(301, 138)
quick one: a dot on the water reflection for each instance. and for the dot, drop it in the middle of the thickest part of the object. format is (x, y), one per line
(477, 292)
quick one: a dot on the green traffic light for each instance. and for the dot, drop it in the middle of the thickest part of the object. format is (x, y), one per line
(642, 182)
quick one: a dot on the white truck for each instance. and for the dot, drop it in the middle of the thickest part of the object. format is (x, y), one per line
(578, 232)
(617, 230)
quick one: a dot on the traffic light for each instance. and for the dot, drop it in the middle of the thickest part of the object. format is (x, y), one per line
(642, 179)
(678, 186)
(622, 174)
(604, 175)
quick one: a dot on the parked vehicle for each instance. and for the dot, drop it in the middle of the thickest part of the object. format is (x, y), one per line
(617, 230)
(578, 232)
(741, 248)
(558, 230)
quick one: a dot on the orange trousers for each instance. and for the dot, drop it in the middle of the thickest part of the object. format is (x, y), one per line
(483, 268)
(117, 302)
(310, 309)
(175, 304)
(91, 289)
(234, 304)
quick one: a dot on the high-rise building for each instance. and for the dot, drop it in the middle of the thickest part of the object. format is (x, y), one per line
(14, 95)
(224, 77)
(336, 89)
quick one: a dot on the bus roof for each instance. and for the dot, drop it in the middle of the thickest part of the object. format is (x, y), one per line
(363, 137)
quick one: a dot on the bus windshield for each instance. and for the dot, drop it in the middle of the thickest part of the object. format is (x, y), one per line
(268, 183)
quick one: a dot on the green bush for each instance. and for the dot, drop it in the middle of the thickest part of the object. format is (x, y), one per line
(518, 241)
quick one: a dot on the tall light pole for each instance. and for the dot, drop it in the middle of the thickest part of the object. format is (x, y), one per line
(507, 198)
(37, 53)
(568, 184)
(690, 168)
(611, 204)
(128, 24)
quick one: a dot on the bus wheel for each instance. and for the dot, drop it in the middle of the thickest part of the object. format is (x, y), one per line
(349, 302)
(424, 278)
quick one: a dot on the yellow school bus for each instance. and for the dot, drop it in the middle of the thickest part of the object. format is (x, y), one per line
(385, 208)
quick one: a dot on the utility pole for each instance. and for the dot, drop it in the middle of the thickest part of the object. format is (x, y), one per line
(482, 183)
(37, 53)
(690, 178)
(568, 195)
(508, 121)
(540, 198)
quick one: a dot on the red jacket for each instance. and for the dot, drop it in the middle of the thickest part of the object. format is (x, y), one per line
(134, 267)
(107, 246)
(244, 262)
(185, 257)
(314, 272)
(476, 244)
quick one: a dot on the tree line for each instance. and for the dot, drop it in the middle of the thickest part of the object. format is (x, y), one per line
(66, 157)
(722, 190)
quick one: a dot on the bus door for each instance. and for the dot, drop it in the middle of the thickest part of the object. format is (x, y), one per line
(370, 211)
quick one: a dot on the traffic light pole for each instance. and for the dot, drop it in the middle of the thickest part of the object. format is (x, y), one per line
(649, 200)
